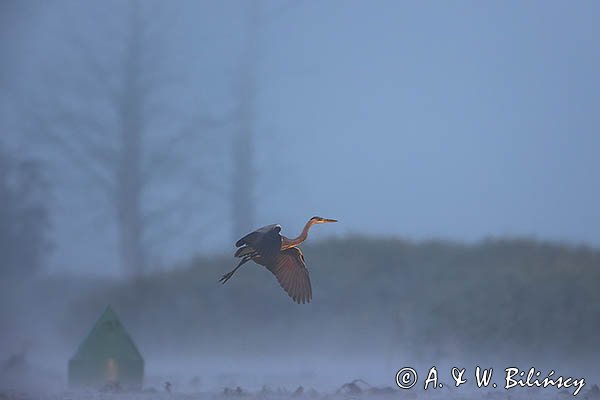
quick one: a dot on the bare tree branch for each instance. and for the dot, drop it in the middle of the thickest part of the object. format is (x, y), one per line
(166, 152)
(94, 68)
(43, 130)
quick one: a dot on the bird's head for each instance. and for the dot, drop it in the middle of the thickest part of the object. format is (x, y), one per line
(321, 220)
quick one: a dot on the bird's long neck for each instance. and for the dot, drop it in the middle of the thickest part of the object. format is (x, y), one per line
(301, 238)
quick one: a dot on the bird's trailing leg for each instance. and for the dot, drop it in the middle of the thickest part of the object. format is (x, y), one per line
(228, 275)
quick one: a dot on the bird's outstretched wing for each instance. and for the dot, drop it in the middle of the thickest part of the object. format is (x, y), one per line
(266, 241)
(291, 273)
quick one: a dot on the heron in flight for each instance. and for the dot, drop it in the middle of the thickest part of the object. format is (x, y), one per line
(281, 256)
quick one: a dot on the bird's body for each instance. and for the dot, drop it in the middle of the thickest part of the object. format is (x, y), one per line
(280, 255)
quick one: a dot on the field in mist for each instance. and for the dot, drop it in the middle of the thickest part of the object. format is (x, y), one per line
(379, 305)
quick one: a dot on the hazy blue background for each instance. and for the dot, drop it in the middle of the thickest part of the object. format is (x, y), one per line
(421, 119)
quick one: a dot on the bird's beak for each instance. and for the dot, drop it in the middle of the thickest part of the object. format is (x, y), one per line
(329, 220)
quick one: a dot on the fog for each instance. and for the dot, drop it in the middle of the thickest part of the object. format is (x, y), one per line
(456, 143)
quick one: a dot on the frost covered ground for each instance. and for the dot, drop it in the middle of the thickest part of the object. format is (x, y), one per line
(356, 390)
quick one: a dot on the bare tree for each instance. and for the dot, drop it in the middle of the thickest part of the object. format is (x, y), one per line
(244, 174)
(24, 220)
(128, 172)
(106, 129)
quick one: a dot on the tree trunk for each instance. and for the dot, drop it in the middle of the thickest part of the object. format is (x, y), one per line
(128, 173)
(244, 174)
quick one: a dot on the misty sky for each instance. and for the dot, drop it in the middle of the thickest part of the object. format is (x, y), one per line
(455, 120)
